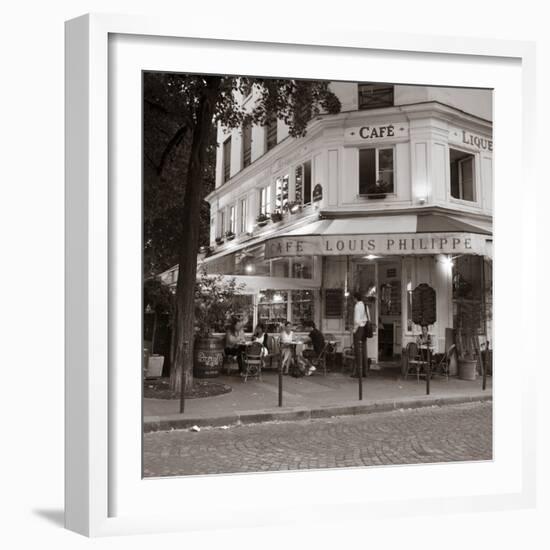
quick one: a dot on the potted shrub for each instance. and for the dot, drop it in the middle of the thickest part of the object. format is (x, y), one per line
(294, 207)
(378, 190)
(470, 318)
(229, 235)
(276, 216)
(262, 220)
(213, 303)
(219, 240)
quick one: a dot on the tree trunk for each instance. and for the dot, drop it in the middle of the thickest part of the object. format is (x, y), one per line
(189, 244)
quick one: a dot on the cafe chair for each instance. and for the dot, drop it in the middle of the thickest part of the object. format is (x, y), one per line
(444, 364)
(320, 361)
(273, 357)
(253, 361)
(414, 360)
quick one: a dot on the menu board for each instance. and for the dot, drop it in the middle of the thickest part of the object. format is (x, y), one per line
(423, 305)
(334, 303)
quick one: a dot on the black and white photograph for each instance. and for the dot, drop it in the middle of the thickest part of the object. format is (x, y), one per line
(317, 274)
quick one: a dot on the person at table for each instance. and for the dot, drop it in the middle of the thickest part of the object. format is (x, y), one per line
(360, 318)
(287, 338)
(424, 339)
(261, 336)
(316, 339)
(234, 341)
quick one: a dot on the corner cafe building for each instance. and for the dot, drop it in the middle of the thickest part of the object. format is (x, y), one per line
(432, 223)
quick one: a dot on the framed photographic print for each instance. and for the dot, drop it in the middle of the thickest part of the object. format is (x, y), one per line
(289, 274)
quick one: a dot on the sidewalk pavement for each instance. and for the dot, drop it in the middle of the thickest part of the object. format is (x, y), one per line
(314, 396)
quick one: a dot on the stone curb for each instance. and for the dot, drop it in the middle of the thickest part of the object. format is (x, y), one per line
(286, 414)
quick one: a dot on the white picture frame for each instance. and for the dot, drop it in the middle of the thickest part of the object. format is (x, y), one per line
(105, 494)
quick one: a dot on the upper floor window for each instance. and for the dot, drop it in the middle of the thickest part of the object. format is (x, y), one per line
(271, 134)
(264, 201)
(376, 171)
(373, 96)
(243, 208)
(462, 175)
(226, 159)
(281, 193)
(231, 228)
(247, 145)
(302, 183)
(221, 225)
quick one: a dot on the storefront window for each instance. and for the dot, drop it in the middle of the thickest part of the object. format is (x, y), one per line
(302, 309)
(302, 267)
(273, 309)
(468, 301)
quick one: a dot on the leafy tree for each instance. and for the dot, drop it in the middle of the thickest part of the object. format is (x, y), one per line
(202, 102)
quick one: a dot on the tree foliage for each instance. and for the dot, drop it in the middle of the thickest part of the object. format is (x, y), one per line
(179, 155)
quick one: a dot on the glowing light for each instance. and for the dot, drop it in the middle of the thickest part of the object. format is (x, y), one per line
(249, 268)
(371, 257)
(277, 298)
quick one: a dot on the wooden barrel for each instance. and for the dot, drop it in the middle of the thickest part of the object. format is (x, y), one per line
(208, 357)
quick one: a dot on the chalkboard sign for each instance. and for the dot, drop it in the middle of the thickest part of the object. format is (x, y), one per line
(334, 303)
(423, 305)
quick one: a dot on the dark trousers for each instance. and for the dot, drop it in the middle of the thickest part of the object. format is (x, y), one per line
(360, 350)
(238, 353)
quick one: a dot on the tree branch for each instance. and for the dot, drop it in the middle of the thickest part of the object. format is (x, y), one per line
(170, 146)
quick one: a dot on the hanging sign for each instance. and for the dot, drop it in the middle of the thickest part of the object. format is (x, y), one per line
(423, 305)
(317, 193)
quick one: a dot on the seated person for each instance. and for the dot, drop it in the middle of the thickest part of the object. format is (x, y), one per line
(316, 339)
(234, 341)
(261, 336)
(424, 339)
(287, 338)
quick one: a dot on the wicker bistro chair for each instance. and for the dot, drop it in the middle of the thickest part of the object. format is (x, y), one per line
(253, 361)
(320, 361)
(414, 360)
(443, 366)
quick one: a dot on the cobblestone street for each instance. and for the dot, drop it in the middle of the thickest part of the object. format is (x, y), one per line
(434, 434)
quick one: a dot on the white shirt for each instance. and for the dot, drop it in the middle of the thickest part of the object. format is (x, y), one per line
(360, 315)
(287, 338)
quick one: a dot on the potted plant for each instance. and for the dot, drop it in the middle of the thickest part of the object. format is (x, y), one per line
(214, 298)
(276, 216)
(206, 250)
(294, 207)
(219, 240)
(470, 321)
(262, 220)
(230, 235)
(378, 190)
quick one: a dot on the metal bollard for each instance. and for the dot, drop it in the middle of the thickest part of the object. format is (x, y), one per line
(428, 371)
(182, 393)
(360, 373)
(281, 385)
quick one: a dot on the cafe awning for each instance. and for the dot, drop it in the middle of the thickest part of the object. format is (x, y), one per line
(399, 234)
(382, 235)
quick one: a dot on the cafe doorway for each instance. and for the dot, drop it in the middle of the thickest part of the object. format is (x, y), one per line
(379, 282)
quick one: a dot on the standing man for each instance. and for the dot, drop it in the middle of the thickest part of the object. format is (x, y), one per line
(360, 318)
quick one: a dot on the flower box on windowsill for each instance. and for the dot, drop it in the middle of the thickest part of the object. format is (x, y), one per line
(230, 235)
(219, 240)
(376, 195)
(276, 217)
(262, 220)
